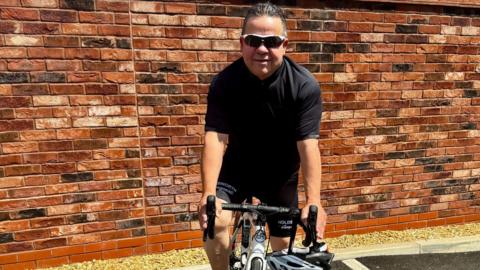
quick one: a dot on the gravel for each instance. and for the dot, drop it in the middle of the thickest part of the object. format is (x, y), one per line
(196, 256)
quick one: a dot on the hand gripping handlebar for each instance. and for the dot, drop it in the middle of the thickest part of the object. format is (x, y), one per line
(210, 231)
(310, 228)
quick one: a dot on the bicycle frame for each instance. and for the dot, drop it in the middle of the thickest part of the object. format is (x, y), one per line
(253, 254)
(252, 246)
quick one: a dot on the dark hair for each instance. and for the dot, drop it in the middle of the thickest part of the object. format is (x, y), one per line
(265, 9)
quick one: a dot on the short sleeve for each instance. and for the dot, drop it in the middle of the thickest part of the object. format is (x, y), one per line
(217, 117)
(309, 111)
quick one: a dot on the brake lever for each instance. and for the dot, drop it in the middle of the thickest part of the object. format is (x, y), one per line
(310, 228)
(210, 231)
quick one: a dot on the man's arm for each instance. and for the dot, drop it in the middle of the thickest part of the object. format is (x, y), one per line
(212, 156)
(312, 174)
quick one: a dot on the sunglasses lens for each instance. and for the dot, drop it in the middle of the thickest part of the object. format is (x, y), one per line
(273, 42)
(253, 41)
(269, 42)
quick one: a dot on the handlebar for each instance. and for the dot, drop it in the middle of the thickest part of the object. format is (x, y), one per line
(317, 255)
(309, 228)
(263, 209)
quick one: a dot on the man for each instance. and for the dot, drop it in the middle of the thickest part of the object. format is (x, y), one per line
(262, 122)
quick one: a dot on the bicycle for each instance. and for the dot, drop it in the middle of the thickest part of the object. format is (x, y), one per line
(253, 253)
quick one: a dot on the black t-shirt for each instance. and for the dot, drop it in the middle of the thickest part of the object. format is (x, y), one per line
(264, 120)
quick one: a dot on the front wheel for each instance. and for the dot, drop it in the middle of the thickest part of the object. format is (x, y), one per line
(256, 264)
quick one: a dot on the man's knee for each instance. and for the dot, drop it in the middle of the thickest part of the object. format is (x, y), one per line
(222, 221)
(279, 243)
(222, 218)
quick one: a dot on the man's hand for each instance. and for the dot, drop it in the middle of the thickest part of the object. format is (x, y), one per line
(202, 210)
(321, 218)
(202, 213)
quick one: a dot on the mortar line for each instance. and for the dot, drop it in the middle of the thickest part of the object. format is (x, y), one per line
(138, 125)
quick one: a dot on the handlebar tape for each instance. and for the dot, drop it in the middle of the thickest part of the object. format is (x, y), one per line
(264, 209)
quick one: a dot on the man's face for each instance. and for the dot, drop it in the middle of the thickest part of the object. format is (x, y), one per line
(263, 61)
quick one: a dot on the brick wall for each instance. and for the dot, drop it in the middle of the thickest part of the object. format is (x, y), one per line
(102, 104)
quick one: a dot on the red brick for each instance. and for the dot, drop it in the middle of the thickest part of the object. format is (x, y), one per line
(181, 78)
(58, 16)
(13, 53)
(50, 243)
(22, 170)
(118, 77)
(121, 18)
(179, 56)
(117, 253)
(45, 3)
(78, 77)
(116, 54)
(96, 17)
(176, 245)
(112, 235)
(384, 28)
(124, 164)
(62, 251)
(455, 220)
(131, 242)
(155, 248)
(156, 162)
(114, 30)
(180, 8)
(58, 168)
(51, 53)
(64, 209)
(53, 262)
(61, 65)
(8, 258)
(110, 6)
(185, 140)
(20, 266)
(86, 257)
(226, 22)
(40, 158)
(442, 20)
(112, 195)
(359, 16)
(98, 226)
(32, 235)
(83, 53)
(360, 27)
(168, 237)
(395, 18)
(19, 14)
(189, 235)
(55, 146)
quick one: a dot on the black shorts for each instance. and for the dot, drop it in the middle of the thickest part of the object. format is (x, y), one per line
(283, 195)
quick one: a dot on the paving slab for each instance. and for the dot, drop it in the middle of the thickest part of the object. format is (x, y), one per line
(430, 261)
(377, 250)
(450, 245)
